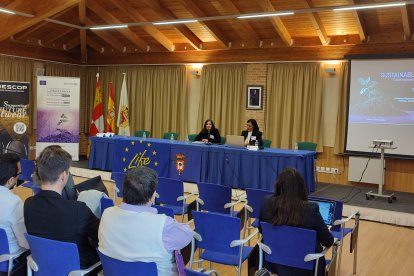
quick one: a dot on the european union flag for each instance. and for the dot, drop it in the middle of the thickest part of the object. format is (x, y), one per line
(131, 153)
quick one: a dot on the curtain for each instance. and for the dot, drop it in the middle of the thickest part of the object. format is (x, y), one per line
(222, 98)
(157, 96)
(294, 107)
(342, 109)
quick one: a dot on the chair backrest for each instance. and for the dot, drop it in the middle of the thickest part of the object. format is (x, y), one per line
(164, 210)
(140, 133)
(254, 200)
(118, 177)
(217, 231)
(191, 137)
(114, 267)
(214, 196)
(106, 203)
(267, 143)
(223, 139)
(167, 135)
(289, 245)
(53, 257)
(27, 169)
(168, 190)
(4, 249)
(307, 146)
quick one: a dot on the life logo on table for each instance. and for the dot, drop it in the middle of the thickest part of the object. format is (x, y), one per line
(180, 162)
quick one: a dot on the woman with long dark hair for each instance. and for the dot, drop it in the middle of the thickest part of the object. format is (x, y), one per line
(209, 133)
(252, 134)
(289, 205)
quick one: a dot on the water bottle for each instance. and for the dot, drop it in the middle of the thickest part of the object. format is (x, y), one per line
(187, 140)
(144, 135)
(296, 146)
(256, 143)
(172, 138)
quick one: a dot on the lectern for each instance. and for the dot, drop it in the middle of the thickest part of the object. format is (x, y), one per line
(383, 145)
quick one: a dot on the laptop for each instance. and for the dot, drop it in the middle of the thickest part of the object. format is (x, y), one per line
(235, 140)
(327, 210)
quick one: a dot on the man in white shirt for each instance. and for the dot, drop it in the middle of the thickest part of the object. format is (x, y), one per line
(11, 206)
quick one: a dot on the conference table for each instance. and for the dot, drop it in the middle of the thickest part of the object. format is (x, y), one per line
(236, 167)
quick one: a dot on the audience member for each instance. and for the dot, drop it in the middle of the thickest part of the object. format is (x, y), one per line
(135, 232)
(11, 206)
(209, 133)
(252, 134)
(289, 206)
(49, 216)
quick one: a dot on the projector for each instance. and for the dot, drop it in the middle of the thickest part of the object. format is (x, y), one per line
(382, 143)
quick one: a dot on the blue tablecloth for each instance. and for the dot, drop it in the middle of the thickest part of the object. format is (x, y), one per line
(235, 167)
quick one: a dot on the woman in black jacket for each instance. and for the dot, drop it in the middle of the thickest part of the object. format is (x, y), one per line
(289, 205)
(252, 134)
(209, 133)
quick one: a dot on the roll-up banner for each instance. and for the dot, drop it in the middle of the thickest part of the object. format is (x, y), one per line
(14, 123)
(58, 114)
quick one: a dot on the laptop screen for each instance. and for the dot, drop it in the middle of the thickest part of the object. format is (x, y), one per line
(327, 210)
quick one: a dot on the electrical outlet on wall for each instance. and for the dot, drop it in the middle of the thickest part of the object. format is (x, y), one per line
(335, 170)
(328, 169)
(322, 169)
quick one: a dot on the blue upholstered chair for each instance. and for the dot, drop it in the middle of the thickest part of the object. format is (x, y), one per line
(114, 267)
(218, 237)
(51, 257)
(164, 210)
(27, 169)
(253, 204)
(291, 246)
(6, 259)
(106, 203)
(118, 177)
(170, 193)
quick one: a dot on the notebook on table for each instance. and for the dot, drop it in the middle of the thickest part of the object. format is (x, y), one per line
(235, 140)
(327, 210)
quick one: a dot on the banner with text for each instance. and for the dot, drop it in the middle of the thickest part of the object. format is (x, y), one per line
(14, 123)
(58, 114)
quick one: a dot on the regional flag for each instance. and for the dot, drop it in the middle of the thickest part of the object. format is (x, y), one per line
(123, 113)
(97, 123)
(110, 113)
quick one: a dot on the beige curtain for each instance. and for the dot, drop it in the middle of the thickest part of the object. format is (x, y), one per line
(157, 96)
(342, 108)
(294, 107)
(222, 98)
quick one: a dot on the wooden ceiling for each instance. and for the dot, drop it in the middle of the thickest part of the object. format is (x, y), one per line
(58, 30)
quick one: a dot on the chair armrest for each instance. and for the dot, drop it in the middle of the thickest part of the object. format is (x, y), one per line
(184, 197)
(157, 195)
(31, 263)
(7, 257)
(231, 204)
(343, 221)
(84, 271)
(248, 207)
(240, 242)
(199, 201)
(197, 236)
(265, 248)
(314, 256)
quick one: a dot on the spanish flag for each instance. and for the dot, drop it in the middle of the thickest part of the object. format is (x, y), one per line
(123, 113)
(110, 113)
(97, 123)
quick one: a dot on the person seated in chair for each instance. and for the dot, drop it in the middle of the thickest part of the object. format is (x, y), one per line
(252, 134)
(289, 206)
(209, 133)
(11, 206)
(134, 231)
(49, 216)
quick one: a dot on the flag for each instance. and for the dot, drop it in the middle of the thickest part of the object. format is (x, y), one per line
(123, 114)
(97, 123)
(110, 113)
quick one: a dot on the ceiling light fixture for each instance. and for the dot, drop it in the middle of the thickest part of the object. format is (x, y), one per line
(264, 15)
(175, 22)
(7, 11)
(373, 6)
(105, 27)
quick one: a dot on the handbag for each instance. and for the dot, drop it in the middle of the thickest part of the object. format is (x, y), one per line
(180, 262)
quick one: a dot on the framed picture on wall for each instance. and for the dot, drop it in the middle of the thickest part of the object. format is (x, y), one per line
(254, 97)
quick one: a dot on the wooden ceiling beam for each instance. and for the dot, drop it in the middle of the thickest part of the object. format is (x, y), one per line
(70, 44)
(110, 19)
(208, 25)
(106, 36)
(406, 23)
(82, 32)
(12, 24)
(358, 22)
(149, 29)
(277, 23)
(242, 27)
(317, 24)
(192, 39)
(95, 45)
(54, 38)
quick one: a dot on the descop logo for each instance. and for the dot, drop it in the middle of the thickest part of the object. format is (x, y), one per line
(17, 87)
